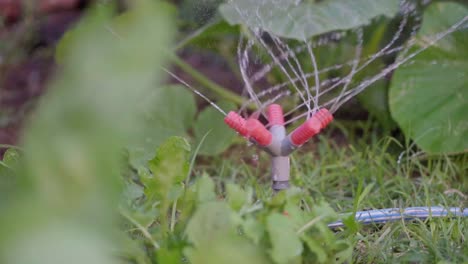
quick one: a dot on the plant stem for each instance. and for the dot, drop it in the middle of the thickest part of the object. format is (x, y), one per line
(222, 92)
(309, 224)
(142, 229)
(173, 215)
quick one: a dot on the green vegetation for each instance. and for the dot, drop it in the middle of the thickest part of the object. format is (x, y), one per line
(116, 166)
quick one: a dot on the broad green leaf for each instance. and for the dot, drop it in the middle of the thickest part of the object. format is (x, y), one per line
(169, 167)
(171, 113)
(205, 189)
(375, 97)
(286, 245)
(318, 250)
(213, 232)
(165, 255)
(253, 229)
(429, 95)
(375, 100)
(229, 249)
(304, 19)
(198, 12)
(211, 220)
(220, 135)
(218, 33)
(236, 197)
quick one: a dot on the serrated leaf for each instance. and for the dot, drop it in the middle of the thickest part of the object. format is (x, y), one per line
(236, 197)
(428, 96)
(205, 189)
(304, 19)
(286, 245)
(169, 167)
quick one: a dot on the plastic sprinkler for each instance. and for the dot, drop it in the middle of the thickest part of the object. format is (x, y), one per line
(275, 141)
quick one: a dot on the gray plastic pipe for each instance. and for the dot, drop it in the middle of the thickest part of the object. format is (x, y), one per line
(381, 216)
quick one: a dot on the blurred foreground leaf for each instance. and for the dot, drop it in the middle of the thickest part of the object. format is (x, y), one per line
(212, 230)
(73, 146)
(286, 245)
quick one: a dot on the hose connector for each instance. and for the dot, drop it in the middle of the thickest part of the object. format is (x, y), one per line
(258, 132)
(236, 122)
(311, 127)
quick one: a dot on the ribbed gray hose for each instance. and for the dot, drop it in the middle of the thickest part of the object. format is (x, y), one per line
(380, 216)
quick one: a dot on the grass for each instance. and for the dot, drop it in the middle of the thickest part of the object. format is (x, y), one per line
(359, 169)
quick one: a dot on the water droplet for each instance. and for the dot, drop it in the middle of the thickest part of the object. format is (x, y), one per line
(254, 157)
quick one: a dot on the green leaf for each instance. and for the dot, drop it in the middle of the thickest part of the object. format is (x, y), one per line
(304, 19)
(428, 95)
(211, 220)
(229, 249)
(375, 100)
(314, 246)
(253, 229)
(205, 189)
(169, 167)
(210, 35)
(213, 231)
(171, 113)
(165, 255)
(220, 135)
(286, 245)
(236, 197)
(11, 157)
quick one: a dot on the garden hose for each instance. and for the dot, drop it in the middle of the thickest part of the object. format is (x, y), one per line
(382, 216)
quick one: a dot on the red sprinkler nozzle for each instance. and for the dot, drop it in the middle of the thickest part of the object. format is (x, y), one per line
(236, 122)
(311, 127)
(258, 132)
(275, 115)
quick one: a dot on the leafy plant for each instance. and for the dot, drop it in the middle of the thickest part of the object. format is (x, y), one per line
(428, 94)
(63, 207)
(192, 220)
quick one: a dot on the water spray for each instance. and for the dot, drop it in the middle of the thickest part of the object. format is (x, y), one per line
(272, 136)
(275, 140)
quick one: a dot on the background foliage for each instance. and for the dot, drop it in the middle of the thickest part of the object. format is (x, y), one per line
(106, 168)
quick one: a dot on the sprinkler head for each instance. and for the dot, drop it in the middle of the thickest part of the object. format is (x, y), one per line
(236, 122)
(275, 141)
(311, 127)
(258, 132)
